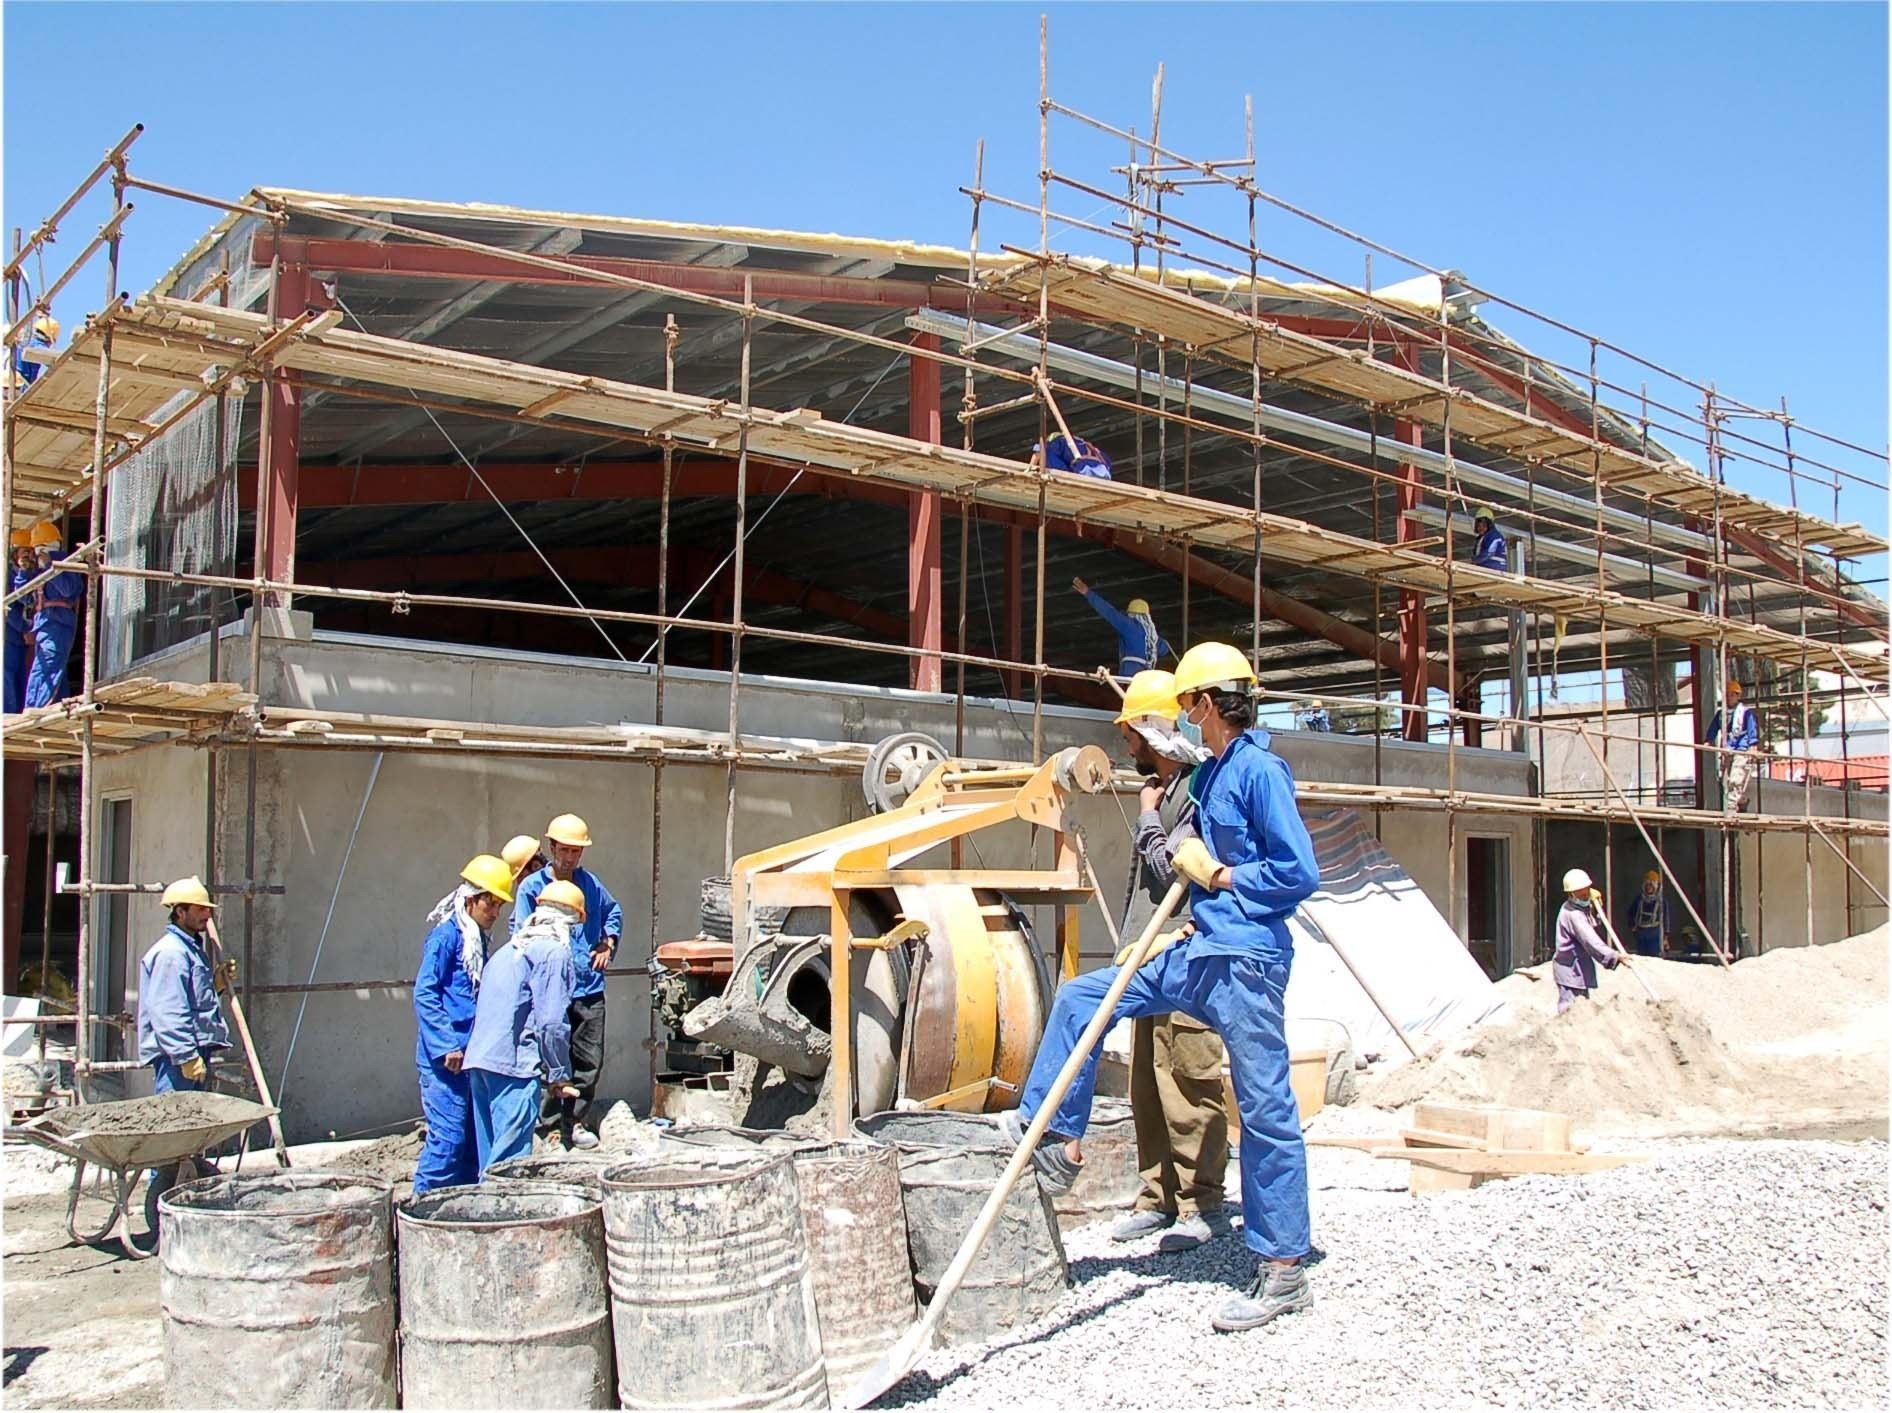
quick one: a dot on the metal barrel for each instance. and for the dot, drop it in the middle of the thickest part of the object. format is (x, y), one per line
(580, 1170)
(712, 1299)
(280, 1287)
(857, 1238)
(1110, 1179)
(949, 1165)
(504, 1299)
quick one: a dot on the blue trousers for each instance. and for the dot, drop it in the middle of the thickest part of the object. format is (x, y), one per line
(52, 645)
(169, 1079)
(15, 673)
(1240, 998)
(1649, 943)
(504, 1113)
(450, 1157)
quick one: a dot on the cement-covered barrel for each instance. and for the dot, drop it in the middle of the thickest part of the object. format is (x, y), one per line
(949, 1165)
(276, 1290)
(504, 1302)
(857, 1239)
(712, 1296)
(576, 1169)
(1109, 1181)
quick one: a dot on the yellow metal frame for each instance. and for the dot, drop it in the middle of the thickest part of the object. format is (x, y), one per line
(954, 801)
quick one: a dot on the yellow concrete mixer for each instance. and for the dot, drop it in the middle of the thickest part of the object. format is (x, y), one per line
(868, 961)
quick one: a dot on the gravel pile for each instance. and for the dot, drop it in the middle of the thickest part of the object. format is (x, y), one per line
(1737, 1274)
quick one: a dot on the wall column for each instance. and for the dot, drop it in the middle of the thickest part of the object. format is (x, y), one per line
(925, 555)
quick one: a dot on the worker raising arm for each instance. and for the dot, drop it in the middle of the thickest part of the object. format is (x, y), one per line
(593, 946)
(180, 1028)
(1139, 645)
(1580, 944)
(521, 1034)
(445, 995)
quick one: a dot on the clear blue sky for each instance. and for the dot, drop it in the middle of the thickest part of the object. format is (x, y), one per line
(1705, 184)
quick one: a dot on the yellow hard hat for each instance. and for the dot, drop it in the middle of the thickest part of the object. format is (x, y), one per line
(47, 328)
(1151, 693)
(1652, 876)
(1212, 665)
(44, 533)
(569, 829)
(20, 539)
(187, 890)
(1485, 512)
(1141, 606)
(566, 895)
(1576, 881)
(489, 875)
(519, 851)
(1734, 689)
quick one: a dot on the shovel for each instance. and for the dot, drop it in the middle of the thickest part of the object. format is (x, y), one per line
(249, 1052)
(898, 1362)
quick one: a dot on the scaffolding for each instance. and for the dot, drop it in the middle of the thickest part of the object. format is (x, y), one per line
(1452, 413)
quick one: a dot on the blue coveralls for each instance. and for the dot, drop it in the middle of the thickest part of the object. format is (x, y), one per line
(1649, 922)
(1746, 733)
(15, 672)
(519, 1032)
(1084, 459)
(29, 372)
(603, 918)
(1232, 975)
(443, 1018)
(178, 1016)
(53, 629)
(1139, 645)
(1491, 552)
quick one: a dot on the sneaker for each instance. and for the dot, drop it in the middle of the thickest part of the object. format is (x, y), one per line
(583, 1139)
(1193, 1230)
(1132, 1225)
(1056, 1172)
(1275, 1291)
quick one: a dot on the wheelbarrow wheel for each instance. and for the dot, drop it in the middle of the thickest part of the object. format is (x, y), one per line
(160, 1181)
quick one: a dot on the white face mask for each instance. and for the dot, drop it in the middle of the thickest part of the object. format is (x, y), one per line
(1191, 733)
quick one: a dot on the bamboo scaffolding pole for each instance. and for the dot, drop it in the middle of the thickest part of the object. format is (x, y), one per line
(735, 612)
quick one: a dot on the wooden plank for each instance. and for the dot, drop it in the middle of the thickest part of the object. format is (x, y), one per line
(1510, 1164)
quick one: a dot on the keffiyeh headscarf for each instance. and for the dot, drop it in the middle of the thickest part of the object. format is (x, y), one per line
(472, 940)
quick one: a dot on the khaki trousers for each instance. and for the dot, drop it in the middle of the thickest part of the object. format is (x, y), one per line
(1176, 1100)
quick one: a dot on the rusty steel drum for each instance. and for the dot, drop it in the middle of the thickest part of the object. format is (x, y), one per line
(1110, 1179)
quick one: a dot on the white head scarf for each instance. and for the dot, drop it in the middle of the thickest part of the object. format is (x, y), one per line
(472, 940)
(1167, 742)
(551, 922)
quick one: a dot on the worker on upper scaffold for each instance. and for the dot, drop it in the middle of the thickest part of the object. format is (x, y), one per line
(1139, 646)
(1492, 551)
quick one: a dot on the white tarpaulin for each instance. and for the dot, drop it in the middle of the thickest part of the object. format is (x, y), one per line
(1371, 908)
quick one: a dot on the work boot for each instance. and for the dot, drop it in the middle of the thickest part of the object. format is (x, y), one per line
(1132, 1225)
(1056, 1172)
(584, 1138)
(1275, 1291)
(1193, 1230)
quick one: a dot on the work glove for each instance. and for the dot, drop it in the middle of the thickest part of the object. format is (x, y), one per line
(194, 1069)
(224, 976)
(1168, 939)
(1195, 863)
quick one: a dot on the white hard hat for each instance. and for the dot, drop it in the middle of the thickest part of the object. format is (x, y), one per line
(1576, 881)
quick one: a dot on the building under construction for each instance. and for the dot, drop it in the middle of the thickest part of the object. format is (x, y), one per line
(409, 524)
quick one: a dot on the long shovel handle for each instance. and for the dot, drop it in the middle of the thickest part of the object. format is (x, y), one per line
(899, 1360)
(256, 1065)
(1609, 929)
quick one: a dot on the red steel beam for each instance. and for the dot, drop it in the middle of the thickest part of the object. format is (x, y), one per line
(434, 262)
(1414, 677)
(1014, 606)
(276, 528)
(925, 555)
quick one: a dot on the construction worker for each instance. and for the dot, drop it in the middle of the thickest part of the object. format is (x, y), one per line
(1252, 865)
(523, 856)
(1175, 1060)
(55, 619)
(20, 572)
(1580, 942)
(445, 995)
(521, 1032)
(1075, 457)
(1744, 736)
(1492, 552)
(1139, 645)
(1649, 921)
(45, 335)
(593, 947)
(1313, 717)
(180, 1028)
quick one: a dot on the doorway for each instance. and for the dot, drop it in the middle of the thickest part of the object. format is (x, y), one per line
(1488, 903)
(114, 919)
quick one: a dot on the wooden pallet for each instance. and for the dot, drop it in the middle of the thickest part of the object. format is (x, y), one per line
(1453, 1147)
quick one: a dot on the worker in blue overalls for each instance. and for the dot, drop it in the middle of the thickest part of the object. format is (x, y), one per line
(180, 1029)
(446, 993)
(19, 573)
(55, 619)
(45, 334)
(1075, 457)
(1492, 552)
(1649, 921)
(1743, 732)
(1139, 646)
(1251, 867)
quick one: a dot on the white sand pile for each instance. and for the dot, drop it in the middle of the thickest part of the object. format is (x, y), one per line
(1795, 1038)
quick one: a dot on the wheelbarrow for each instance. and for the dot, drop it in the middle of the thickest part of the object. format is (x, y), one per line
(126, 1136)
